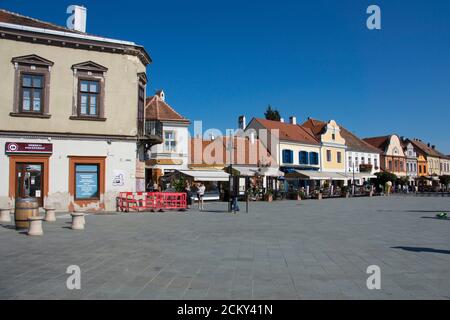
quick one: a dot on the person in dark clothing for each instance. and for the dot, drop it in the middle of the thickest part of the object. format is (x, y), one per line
(187, 190)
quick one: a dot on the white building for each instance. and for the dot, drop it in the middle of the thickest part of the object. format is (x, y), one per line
(411, 161)
(172, 153)
(363, 160)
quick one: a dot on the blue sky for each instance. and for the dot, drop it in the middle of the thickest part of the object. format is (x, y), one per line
(219, 59)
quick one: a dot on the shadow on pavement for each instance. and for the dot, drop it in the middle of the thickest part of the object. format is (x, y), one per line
(435, 218)
(419, 249)
(431, 211)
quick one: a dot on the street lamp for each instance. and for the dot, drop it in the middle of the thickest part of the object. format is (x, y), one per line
(230, 182)
(353, 180)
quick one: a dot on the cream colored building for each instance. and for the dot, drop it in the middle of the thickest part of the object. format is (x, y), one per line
(71, 114)
(333, 148)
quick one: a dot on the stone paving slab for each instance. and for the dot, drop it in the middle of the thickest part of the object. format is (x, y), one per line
(282, 250)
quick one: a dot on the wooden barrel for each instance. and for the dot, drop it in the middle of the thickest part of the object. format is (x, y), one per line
(25, 208)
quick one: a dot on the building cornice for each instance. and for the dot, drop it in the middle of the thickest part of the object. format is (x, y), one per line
(62, 136)
(72, 40)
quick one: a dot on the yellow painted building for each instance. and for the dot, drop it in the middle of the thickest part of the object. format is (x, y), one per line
(332, 144)
(422, 166)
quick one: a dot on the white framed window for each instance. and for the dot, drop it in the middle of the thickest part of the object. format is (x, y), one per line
(170, 143)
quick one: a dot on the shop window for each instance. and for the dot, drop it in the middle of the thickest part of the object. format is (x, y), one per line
(87, 180)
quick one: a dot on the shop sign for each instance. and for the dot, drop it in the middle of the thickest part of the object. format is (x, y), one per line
(20, 147)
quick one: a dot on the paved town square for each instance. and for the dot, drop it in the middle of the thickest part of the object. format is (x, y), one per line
(282, 250)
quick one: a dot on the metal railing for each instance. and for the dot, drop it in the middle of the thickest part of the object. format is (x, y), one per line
(154, 129)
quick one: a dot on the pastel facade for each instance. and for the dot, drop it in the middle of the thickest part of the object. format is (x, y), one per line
(412, 168)
(363, 160)
(296, 147)
(333, 147)
(427, 153)
(64, 137)
(171, 152)
(392, 156)
(445, 165)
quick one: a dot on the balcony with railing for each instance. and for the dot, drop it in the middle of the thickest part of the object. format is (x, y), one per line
(154, 131)
(365, 168)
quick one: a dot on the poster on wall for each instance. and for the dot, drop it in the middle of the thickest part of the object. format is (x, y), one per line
(140, 185)
(119, 178)
(86, 185)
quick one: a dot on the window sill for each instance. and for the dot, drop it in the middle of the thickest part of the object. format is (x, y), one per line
(30, 115)
(87, 118)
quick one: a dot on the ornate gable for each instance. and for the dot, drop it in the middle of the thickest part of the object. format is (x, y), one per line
(32, 59)
(89, 66)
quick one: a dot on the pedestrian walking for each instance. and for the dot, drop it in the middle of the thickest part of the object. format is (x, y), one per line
(200, 194)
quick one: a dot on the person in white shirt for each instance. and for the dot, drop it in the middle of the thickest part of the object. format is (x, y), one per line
(200, 194)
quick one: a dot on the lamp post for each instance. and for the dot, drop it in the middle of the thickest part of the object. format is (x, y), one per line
(231, 184)
(353, 179)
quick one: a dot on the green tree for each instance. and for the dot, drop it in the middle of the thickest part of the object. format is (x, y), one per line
(272, 114)
(383, 177)
(403, 181)
(179, 184)
(445, 180)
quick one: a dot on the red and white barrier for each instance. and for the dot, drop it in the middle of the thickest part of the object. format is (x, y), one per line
(151, 201)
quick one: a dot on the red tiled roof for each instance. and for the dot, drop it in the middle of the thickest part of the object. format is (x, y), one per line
(351, 141)
(316, 126)
(15, 18)
(290, 132)
(244, 153)
(429, 151)
(157, 109)
(378, 142)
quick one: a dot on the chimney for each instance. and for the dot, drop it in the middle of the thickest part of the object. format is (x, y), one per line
(429, 144)
(282, 120)
(433, 147)
(242, 123)
(293, 120)
(252, 137)
(77, 18)
(161, 94)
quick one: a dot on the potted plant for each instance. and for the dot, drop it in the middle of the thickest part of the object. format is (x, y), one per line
(269, 196)
(345, 192)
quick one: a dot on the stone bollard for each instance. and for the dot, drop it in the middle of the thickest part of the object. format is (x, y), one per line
(77, 221)
(50, 215)
(35, 228)
(5, 215)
